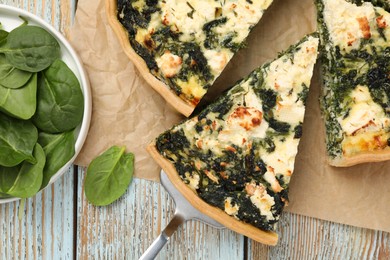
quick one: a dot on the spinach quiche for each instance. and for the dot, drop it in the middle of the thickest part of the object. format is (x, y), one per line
(234, 160)
(181, 47)
(355, 59)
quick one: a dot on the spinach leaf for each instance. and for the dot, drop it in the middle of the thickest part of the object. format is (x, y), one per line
(60, 102)
(30, 48)
(21, 102)
(279, 126)
(212, 38)
(17, 141)
(4, 196)
(3, 36)
(11, 77)
(59, 148)
(108, 176)
(23, 180)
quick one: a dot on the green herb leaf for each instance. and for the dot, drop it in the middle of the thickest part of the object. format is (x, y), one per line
(23, 180)
(59, 148)
(31, 48)
(108, 176)
(3, 36)
(4, 196)
(60, 104)
(17, 141)
(20, 102)
(11, 77)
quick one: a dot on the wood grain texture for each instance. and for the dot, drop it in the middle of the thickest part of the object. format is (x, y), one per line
(308, 238)
(126, 228)
(45, 229)
(59, 13)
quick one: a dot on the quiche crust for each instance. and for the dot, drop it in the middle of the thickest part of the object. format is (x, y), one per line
(234, 160)
(182, 47)
(179, 104)
(261, 236)
(368, 156)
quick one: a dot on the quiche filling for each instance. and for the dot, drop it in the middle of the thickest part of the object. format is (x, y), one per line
(187, 44)
(238, 153)
(355, 43)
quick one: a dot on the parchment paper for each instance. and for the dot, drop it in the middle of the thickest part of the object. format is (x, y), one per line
(126, 111)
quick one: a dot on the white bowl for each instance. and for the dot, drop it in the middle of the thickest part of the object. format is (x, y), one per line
(10, 18)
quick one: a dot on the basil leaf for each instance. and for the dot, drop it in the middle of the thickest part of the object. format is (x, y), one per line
(11, 77)
(17, 141)
(23, 180)
(108, 176)
(60, 100)
(30, 48)
(59, 149)
(20, 102)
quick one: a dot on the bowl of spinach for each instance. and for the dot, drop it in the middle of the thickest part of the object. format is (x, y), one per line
(45, 104)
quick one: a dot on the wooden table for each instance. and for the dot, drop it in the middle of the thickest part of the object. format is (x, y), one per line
(58, 223)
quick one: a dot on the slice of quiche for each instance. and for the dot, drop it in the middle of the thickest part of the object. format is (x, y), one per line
(355, 58)
(181, 47)
(234, 160)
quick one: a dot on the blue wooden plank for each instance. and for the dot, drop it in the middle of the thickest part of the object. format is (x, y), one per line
(45, 227)
(303, 237)
(125, 229)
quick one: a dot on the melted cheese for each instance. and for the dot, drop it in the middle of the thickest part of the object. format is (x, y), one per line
(192, 87)
(281, 161)
(348, 23)
(189, 17)
(139, 5)
(229, 208)
(368, 142)
(263, 201)
(238, 130)
(170, 64)
(365, 124)
(242, 16)
(364, 115)
(287, 77)
(176, 12)
(193, 181)
(217, 60)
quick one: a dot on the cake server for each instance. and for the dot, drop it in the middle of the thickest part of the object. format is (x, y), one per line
(183, 211)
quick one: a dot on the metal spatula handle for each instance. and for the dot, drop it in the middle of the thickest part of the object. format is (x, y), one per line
(163, 238)
(183, 211)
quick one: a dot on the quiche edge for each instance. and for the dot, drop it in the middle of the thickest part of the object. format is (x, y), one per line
(342, 160)
(366, 157)
(170, 97)
(261, 236)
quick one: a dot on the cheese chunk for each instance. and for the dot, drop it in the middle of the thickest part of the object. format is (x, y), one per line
(170, 64)
(364, 114)
(349, 24)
